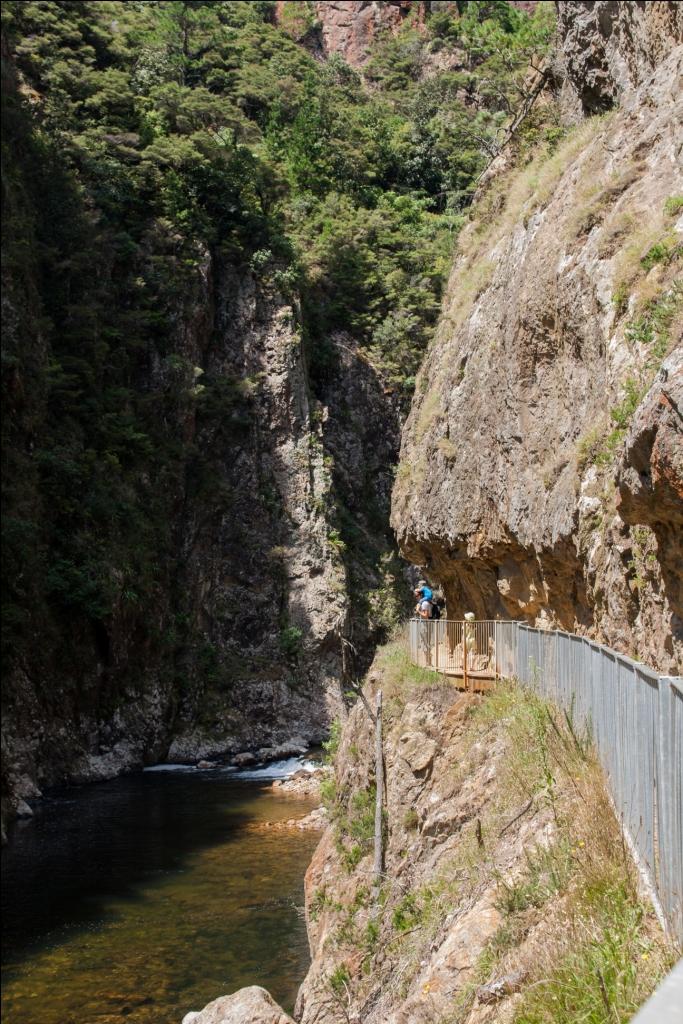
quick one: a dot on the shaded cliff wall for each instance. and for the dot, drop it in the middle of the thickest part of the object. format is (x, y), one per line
(242, 646)
(241, 643)
(214, 583)
(547, 415)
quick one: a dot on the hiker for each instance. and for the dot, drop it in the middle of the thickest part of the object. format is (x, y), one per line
(424, 595)
(429, 605)
(423, 610)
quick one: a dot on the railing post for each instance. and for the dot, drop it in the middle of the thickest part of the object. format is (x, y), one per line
(495, 650)
(379, 786)
(669, 801)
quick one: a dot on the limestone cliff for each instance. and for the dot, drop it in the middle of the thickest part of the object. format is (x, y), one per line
(563, 303)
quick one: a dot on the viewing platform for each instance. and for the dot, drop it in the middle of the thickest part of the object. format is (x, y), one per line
(472, 653)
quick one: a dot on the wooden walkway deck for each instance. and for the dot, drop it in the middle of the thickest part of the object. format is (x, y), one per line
(476, 682)
(470, 654)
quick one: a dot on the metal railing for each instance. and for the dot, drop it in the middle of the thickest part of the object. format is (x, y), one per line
(634, 714)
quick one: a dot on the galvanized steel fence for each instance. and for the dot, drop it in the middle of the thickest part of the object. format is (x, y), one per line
(634, 714)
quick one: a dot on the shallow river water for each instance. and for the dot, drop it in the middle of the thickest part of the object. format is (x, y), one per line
(142, 898)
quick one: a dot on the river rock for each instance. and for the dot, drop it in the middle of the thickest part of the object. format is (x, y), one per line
(206, 764)
(251, 1005)
(302, 783)
(316, 820)
(291, 747)
(244, 759)
(23, 810)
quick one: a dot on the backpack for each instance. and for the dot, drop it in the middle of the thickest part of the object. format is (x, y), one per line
(436, 611)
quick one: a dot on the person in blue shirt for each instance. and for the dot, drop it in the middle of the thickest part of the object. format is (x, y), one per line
(424, 595)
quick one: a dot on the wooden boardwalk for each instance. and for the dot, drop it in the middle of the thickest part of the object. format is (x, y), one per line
(472, 655)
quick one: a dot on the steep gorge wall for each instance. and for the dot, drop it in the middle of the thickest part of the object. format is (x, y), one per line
(242, 647)
(269, 509)
(530, 485)
(240, 518)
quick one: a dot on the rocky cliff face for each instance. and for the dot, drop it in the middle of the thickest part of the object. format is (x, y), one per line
(349, 27)
(650, 472)
(609, 49)
(562, 305)
(257, 566)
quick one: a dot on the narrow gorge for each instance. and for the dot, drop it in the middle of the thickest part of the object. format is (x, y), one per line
(302, 302)
(197, 482)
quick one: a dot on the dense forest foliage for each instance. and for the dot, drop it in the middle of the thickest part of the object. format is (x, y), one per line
(140, 136)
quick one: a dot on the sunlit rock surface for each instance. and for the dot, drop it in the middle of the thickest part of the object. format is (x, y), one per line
(252, 1005)
(512, 453)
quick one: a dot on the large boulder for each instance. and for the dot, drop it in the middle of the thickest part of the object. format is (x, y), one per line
(251, 1005)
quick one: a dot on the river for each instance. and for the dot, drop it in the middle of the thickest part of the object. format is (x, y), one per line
(144, 897)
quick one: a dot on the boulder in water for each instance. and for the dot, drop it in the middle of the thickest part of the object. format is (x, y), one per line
(251, 1005)
(244, 759)
(23, 810)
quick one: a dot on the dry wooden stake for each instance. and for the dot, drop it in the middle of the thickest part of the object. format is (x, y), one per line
(379, 781)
